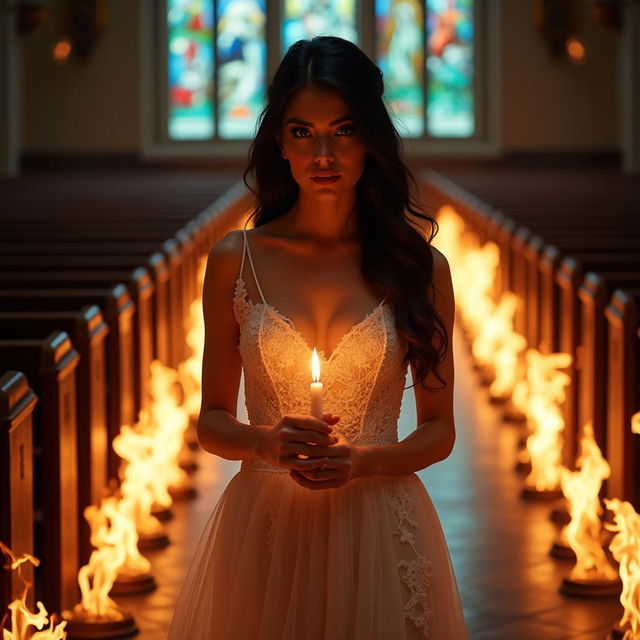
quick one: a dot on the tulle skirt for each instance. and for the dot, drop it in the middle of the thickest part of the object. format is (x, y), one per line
(277, 561)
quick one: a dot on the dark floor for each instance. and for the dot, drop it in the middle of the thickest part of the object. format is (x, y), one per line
(498, 543)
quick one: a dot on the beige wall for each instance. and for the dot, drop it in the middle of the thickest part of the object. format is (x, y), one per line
(87, 106)
(551, 105)
(94, 107)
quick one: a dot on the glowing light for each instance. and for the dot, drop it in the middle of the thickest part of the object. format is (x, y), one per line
(635, 422)
(584, 532)
(21, 617)
(315, 366)
(625, 547)
(576, 50)
(544, 416)
(62, 50)
(114, 536)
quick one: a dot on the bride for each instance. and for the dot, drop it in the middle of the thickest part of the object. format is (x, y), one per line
(326, 532)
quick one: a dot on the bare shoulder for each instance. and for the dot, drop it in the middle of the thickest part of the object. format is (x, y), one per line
(441, 275)
(440, 262)
(226, 254)
(223, 263)
(443, 287)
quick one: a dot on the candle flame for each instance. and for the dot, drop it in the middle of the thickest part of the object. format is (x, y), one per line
(635, 422)
(315, 366)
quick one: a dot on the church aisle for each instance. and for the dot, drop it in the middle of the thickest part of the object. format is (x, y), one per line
(498, 544)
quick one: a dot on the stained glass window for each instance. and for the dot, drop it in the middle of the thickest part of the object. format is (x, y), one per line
(450, 59)
(242, 60)
(425, 49)
(400, 56)
(307, 18)
(190, 69)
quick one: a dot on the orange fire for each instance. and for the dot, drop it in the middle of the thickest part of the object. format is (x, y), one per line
(545, 396)
(625, 547)
(21, 617)
(495, 344)
(142, 479)
(635, 422)
(114, 536)
(584, 531)
(190, 370)
(170, 420)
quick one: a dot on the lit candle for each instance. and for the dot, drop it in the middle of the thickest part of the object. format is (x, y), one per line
(316, 386)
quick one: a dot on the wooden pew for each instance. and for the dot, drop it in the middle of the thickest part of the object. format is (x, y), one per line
(155, 264)
(50, 367)
(623, 395)
(49, 240)
(141, 290)
(118, 310)
(569, 279)
(17, 402)
(594, 295)
(525, 254)
(88, 332)
(51, 252)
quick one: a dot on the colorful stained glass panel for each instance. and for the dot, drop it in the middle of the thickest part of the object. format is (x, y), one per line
(242, 65)
(190, 69)
(400, 56)
(450, 60)
(305, 19)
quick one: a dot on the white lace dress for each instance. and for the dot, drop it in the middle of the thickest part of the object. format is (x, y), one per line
(277, 561)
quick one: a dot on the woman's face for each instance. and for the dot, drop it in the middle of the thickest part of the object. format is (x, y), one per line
(317, 135)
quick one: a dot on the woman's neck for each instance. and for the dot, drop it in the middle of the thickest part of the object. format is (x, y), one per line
(322, 220)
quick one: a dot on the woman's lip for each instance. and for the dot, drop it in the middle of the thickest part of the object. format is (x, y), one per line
(323, 178)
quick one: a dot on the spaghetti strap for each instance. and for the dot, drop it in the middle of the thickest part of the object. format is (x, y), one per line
(246, 250)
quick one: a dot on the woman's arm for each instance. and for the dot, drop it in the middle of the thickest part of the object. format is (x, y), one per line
(219, 432)
(433, 440)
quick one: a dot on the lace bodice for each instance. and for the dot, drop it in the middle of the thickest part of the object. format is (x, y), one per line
(363, 378)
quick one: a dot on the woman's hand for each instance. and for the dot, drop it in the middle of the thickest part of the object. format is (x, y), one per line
(298, 435)
(344, 465)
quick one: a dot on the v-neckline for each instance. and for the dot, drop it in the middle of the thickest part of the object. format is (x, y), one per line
(296, 332)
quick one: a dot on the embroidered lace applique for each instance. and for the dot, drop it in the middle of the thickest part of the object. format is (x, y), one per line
(417, 573)
(270, 513)
(363, 380)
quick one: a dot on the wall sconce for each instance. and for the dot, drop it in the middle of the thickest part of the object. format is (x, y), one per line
(555, 20)
(85, 21)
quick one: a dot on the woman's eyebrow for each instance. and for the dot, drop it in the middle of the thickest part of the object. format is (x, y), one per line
(310, 124)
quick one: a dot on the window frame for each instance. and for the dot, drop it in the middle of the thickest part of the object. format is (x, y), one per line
(156, 144)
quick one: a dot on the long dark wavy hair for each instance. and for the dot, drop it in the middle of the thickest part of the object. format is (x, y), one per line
(396, 259)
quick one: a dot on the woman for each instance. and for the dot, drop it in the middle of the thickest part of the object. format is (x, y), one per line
(326, 531)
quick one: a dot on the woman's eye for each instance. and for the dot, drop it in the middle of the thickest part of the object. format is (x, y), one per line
(296, 130)
(349, 127)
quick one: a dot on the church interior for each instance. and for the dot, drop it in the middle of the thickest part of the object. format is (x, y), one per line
(124, 134)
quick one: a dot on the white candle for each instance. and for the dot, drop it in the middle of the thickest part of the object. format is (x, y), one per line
(316, 386)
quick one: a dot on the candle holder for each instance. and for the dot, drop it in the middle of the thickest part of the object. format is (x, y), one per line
(132, 583)
(82, 625)
(560, 514)
(162, 513)
(183, 490)
(617, 633)
(540, 495)
(595, 588)
(187, 459)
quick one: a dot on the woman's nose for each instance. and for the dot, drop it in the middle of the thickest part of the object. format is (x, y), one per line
(323, 149)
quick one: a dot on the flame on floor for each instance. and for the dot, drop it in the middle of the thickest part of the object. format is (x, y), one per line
(21, 617)
(625, 547)
(584, 533)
